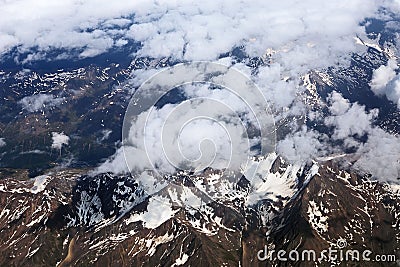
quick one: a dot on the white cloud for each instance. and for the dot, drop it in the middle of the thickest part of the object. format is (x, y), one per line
(302, 147)
(117, 162)
(380, 156)
(2, 142)
(59, 139)
(386, 82)
(382, 76)
(348, 119)
(35, 151)
(393, 91)
(207, 131)
(106, 134)
(280, 93)
(39, 102)
(198, 134)
(338, 104)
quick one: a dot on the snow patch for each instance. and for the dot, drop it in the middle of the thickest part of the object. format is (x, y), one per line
(272, 185)
(40, 183)
(152, 244)
(318, 221)
(159, 210)
(182, 260)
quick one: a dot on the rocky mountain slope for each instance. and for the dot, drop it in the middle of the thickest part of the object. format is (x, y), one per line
(72, 219)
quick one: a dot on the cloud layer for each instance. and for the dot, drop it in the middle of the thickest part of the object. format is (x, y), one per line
(189, 30)
(206, 130)
(91, 27)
